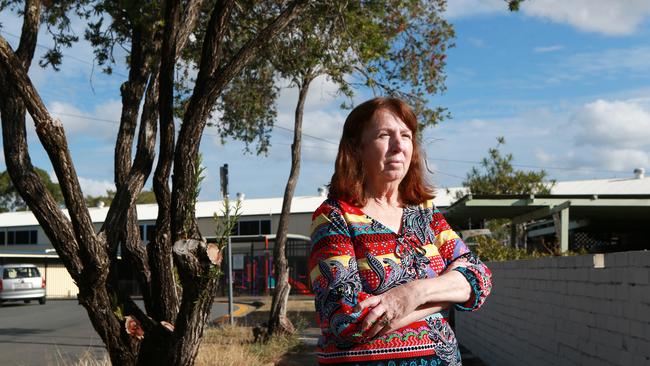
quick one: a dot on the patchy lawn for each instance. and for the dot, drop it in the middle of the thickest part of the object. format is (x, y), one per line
(234, 346)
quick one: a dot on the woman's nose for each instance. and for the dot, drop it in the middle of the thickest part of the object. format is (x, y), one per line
(397, 144)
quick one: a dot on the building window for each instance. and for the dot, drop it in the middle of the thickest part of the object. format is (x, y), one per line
(2, 238)
(151, 232)
(265, 226)
(147, 232)
(252, 227)
(20, 237)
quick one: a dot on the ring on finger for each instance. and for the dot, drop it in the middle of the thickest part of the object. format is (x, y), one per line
(383, 321)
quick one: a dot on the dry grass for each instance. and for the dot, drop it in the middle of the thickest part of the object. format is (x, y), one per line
(292, 305)
(233, 346)
(222, 346)
(85, 359)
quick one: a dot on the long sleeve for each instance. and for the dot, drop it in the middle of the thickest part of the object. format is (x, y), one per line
(452, 248)
(335, 277)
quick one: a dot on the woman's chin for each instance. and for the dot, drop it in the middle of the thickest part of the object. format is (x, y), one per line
(393, 176)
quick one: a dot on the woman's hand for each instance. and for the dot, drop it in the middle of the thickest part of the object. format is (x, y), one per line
(460, 262)
(388, 308)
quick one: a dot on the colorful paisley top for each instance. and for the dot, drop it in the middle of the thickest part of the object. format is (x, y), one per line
(354, 257)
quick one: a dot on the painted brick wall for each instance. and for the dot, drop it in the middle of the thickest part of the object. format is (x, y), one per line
(563, 311)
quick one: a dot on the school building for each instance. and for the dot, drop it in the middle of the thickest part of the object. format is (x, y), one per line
(599, 215)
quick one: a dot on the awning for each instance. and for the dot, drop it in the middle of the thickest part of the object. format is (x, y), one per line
(524, 208)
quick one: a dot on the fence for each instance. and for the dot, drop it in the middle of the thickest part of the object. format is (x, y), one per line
(579, 310)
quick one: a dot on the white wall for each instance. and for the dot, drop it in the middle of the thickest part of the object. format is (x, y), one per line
(563, 311)
(59, 283)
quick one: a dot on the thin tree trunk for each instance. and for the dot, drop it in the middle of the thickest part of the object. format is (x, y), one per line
(278, 320)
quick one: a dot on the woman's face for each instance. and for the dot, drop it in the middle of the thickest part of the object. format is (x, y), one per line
(386, 148)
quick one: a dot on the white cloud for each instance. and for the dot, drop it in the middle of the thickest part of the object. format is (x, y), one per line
(612, 61)
(102, 122)
(600, 137)
(89, 187)
(592, 67)
(322, 92)
(546, 49)
(94, 187)
(542, 156)
(467, 8)
(322, 130)
(623, 159)
(600, 16)
(477, 42)
(620, 124)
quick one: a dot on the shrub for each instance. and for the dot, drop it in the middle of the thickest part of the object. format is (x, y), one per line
(489, 249)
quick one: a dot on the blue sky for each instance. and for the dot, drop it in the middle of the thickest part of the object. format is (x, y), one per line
(567, 83)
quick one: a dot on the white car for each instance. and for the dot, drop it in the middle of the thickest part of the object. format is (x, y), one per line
(21, 282)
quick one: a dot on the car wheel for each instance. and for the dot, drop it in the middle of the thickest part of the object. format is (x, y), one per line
(42, 300)
(27, 301)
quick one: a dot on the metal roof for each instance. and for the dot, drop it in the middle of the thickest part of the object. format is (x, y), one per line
(445, 197)
(249, 207)
(603, 186)
(522, 207)
(149, 212)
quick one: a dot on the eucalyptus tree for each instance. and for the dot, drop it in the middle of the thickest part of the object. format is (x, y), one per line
(394, 47)
(177, 271)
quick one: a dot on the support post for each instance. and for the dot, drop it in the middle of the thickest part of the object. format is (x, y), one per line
(513, 234)
(564, 230)
(266, 265)
(223, 173)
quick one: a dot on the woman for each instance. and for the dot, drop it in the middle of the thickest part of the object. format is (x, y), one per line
(385, 266)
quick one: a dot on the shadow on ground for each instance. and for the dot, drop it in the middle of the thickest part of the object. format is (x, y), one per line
(300, 319)
(304, 354)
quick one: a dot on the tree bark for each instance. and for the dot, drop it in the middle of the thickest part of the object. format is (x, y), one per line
(278, 320)
(90, 256)
(74, 242)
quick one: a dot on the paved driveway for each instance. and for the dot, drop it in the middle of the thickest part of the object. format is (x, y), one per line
(51, 334)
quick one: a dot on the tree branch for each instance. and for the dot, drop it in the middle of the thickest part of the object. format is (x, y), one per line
(52, 137)
(121, 222)
(208, 86)
(132, 91)
(160, 256)
(31, 22)
(188, 23)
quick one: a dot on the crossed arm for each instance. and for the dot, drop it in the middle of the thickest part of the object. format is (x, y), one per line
(349, 314)
(410, 302)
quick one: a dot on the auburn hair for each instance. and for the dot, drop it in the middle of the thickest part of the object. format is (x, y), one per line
(347, 183)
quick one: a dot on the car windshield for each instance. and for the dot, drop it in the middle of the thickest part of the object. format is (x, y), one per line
(20, 272)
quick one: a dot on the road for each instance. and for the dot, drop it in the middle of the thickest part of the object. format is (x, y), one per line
(56, 333)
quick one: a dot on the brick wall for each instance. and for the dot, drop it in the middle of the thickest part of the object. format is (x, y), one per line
(564, 311)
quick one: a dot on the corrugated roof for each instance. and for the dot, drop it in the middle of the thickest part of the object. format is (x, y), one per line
(149, 212)
(603, 186)
(305, 204)
(621, 186)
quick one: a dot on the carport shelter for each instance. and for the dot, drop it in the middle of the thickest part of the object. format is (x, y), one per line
(629, 214)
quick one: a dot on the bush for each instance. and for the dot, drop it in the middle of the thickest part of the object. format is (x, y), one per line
(489, 249)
